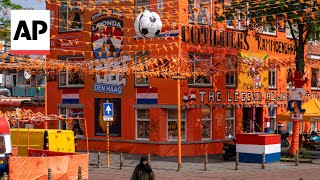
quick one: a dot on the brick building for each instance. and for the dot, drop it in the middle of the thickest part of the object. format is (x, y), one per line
(214, 108)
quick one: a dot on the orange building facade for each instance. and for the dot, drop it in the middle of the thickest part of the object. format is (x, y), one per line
(241, 95)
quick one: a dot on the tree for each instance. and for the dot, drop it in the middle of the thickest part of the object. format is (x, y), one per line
(5, 7)
(302, 17)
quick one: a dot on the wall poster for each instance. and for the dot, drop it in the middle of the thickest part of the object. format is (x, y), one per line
(100, 125)
(107, 33)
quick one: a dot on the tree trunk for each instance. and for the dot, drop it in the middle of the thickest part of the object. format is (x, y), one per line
(299, 60)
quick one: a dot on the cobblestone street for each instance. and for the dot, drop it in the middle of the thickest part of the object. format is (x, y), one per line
(192, 168)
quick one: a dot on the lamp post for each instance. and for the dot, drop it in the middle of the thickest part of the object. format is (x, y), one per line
(179, 126)
(108, 146)
(178, 78)
(46, 92)
(107, 116)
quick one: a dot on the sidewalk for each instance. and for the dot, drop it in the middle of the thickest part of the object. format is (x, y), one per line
(192, 168)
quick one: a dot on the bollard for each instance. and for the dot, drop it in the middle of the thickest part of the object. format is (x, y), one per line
(5, 176)
(79, 173)
(121, 161)
(149, 159)
(206, 163)
(49, 174)
(263, 161)
(99, 160)
(297, 158)
(237, 162)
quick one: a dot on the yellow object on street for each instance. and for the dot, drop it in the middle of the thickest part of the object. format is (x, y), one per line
(43, 139)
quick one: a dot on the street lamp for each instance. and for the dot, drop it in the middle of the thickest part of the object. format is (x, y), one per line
(178, 77)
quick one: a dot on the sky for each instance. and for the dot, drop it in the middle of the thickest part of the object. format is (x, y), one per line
(31, 4)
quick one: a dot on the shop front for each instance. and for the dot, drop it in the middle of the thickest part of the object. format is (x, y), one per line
(242, 92)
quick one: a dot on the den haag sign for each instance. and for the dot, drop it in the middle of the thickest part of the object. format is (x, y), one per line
(30, 32)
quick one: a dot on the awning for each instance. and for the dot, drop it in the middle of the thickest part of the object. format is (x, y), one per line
(312, 113)
(12, 101)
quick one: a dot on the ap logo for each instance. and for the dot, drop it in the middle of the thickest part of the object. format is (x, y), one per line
(30, 32)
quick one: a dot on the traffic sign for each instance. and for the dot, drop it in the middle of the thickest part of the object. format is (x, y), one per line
(108, 109)
(107, 118)
(296, 116)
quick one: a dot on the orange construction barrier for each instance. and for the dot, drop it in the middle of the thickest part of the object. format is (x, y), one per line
(63, 167)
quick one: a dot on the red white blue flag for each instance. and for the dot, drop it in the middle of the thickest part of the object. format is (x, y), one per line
(147, 95)
(70, 97)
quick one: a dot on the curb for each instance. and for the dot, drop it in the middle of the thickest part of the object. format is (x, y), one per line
(293, 160)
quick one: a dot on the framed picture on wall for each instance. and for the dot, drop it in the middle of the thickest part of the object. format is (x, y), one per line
(100, 125)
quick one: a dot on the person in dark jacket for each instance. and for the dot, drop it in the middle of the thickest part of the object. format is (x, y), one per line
(143, 171)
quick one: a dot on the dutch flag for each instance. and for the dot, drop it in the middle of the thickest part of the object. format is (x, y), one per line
(70, 97)
(147, 95)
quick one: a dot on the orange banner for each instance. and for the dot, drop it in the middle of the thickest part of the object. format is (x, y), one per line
(63, 167)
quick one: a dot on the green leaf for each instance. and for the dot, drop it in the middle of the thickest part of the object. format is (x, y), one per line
(5, 6)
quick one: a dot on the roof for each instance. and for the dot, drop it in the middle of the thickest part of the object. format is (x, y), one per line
(4, 126)
(312, 108)
(314, 49)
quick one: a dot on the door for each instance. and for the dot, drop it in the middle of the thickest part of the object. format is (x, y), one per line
(258, 119)
(247, 120)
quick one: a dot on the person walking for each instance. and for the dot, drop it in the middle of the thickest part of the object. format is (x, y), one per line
(143, 171)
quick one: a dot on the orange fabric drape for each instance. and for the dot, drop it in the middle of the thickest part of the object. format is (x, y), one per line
(63, 167)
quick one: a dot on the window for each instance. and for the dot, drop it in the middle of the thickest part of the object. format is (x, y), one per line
(315, 37)
(39, 79)
(77, 123)
(140, 5)
(70, 16)
(199, 62)
(206, 123)
(272, 114)
(295, 31)
(238, 21)
(51, 19)
(231, 75)
(142, 58)
(268, 29)
(272, 78)
(315, 79)
(199, 11)
(72, 78)
(142, 117)
(313, 126)
(230, 118)
(290, 73)
(160, 6)
(289, 126)
(173, 124)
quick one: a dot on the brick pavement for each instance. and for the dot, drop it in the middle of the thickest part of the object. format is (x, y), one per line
(192, 168)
